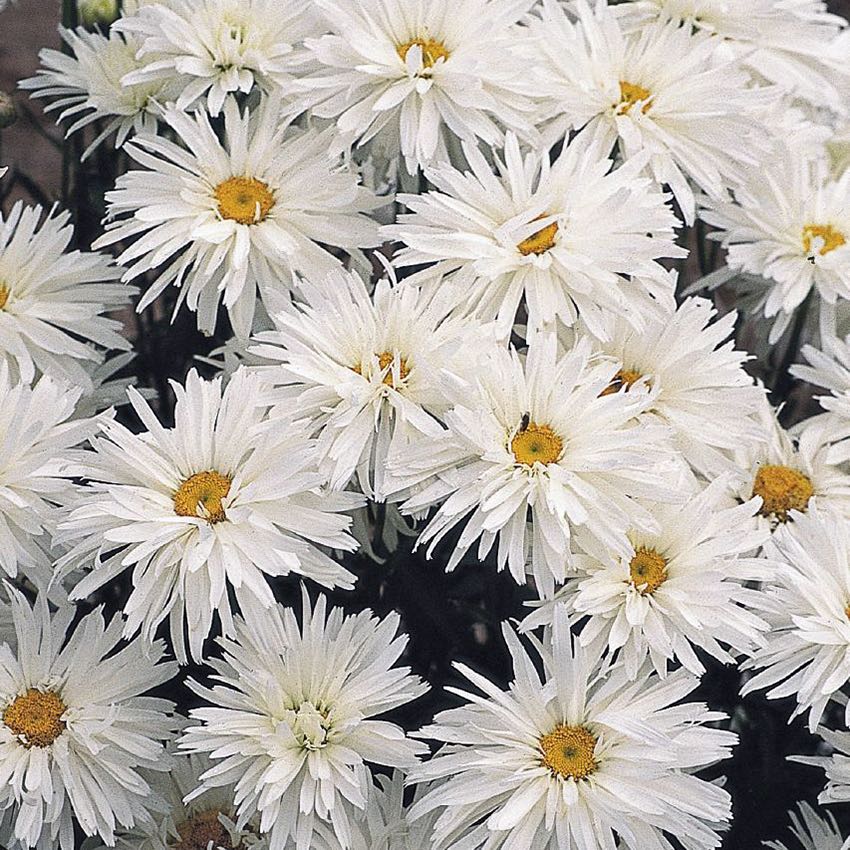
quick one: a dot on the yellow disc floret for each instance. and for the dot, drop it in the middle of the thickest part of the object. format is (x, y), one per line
(4, 295)
(536, 444)
(540, 242)
(197, 832)
(630, 94)
(36, 717)
(432, 51)
(782, 489)
(625, 378)
(828, 238)
(569, 751)
(385, 361)
(202, 495)
(648, 570)
(245, 200)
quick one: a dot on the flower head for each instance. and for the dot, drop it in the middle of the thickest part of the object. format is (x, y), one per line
(77, 736)
(807, 653)
(789, 223)
(229, 217)
(53, 301)
(640, 90)
(571, 758)
(365, 370)
(221, 500)
(218, 48)
(292, 723)
(574, 238)
(421, 73)
(538, 439)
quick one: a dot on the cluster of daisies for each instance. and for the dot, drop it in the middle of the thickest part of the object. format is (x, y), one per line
(441, 240)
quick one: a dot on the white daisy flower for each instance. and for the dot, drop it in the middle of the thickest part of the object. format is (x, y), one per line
(573, 758)
(53, 301)
(37, 433)
(86, 86)
(229, 218)
(364, 371)
(784, 42)
(656, 92)
(220, 501)
(687, 359)
(538, 437)
(792, 472)
(680, 589)
(386, 824)
(808, 605)
(573, 237)
(291, 723)
(836, 766)
(76, 732)
(188, 826)
(422, 72)
(219, 47)
(789, 223)
(812, 832)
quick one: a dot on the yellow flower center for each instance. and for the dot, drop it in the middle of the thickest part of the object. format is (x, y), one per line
(630, 94)
(624, 378)
(568, 751)
(782, 489)
(829, 238)
(385, 359)
(36, 717)
(540, 242)
(536, 444)
(244, 200)
(432, 51)
(648, 570)
(197, 832)
(4, 295)
(201, 496)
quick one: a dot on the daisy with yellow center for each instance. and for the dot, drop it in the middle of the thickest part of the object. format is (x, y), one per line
(543, 480)
(79, 726)
(413, 78)
(236, 214)
(563, 237)
(364, 368)
(680, 589)
(788, 226)
(532, 765)
(256, 507)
